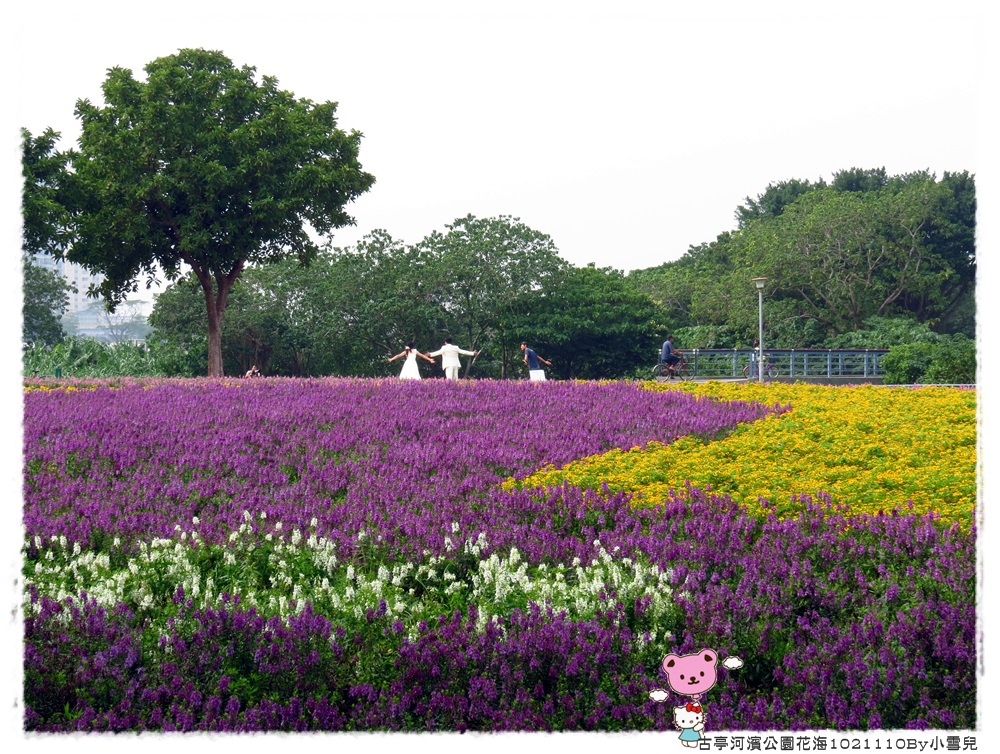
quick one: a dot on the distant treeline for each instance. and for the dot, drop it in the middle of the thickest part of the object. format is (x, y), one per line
(487, 283)
(839, 258)
(866, 261)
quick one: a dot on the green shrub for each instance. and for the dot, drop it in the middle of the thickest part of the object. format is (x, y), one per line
(947, 361)
(954, 362)
(905, 364)
(885, 332)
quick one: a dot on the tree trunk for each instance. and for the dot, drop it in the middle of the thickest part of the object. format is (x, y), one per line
(214, 328)
(216, 298)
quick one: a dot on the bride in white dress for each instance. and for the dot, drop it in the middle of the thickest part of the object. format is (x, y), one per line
(410, 371)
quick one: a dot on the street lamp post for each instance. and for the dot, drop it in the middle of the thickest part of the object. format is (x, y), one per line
(759, 282)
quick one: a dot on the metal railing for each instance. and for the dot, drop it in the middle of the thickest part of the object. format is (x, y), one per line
(794, 362)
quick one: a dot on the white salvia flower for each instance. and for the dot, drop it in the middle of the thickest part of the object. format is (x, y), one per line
(350, 572)
(268, 537)
(361, 535)
(296, 537)
(576, 562)
(277, 526)
(454, 527)
(383, 573)
(313, 522)
(447, 544)
(263, 514)
(76, 548)
(195, 520)
(38, 542)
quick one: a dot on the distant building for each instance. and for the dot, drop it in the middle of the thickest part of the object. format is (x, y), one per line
(85, 315)
(73, 274)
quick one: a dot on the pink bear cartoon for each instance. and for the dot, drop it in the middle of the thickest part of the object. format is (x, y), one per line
(694, 674)
(691, 675)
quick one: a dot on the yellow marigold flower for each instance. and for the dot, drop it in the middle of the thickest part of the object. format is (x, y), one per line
(871, 447)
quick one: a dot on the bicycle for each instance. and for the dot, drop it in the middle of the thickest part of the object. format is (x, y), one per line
(769, 370)
(678, 369)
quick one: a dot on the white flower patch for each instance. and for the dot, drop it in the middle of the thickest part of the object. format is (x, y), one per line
(496, 584)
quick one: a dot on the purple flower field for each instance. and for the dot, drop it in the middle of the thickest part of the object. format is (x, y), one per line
(340, 555)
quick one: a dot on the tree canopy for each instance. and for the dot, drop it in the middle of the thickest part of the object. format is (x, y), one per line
(591, 323)
(45, 299)
(203, 165)
(44, 230)
(487, 282)
(866, 245)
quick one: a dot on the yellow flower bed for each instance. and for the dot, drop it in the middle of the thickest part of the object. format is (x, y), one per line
(870, 447)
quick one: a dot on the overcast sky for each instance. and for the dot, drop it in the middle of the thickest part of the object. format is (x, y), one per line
(627, 131)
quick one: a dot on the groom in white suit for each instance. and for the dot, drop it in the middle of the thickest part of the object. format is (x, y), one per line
(449, 358)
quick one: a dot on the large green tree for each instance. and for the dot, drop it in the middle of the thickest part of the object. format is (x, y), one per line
(46, 192)
(591, 323)
(45, 299)
(868, 245)
(480, 268)
(844, 256)
(384, 295)
(203, 165)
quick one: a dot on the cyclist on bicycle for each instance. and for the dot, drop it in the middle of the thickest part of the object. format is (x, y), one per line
(668, 354)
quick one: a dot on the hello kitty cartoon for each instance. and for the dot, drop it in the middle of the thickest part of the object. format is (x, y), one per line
(690, 721)
(692, 675)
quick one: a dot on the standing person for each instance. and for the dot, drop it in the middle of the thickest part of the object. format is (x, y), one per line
(535, 372)
(253, 372)
(668, 354)
(449, 358)
(410, 371)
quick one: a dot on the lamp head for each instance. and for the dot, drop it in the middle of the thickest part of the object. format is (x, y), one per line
(759, 282)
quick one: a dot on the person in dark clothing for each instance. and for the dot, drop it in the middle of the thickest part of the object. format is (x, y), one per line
(535, 371)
